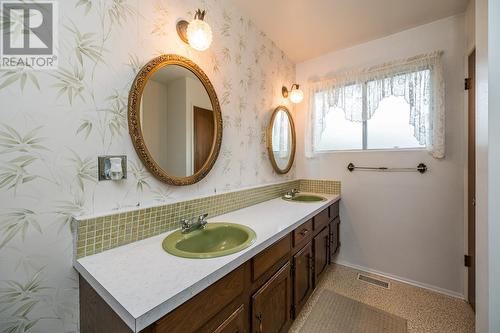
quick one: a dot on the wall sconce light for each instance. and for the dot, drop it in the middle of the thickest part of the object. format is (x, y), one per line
(295, 93)
(196, 33)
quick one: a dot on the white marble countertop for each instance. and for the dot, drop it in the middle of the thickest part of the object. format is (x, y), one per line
(142, 283)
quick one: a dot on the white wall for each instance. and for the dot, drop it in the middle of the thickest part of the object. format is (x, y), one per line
(494, 164)
(176, 128)
(405, 225)
(196, 95)
(154, 120)
(470, 27)
(169, 122)
(73, 128)
(482, 288)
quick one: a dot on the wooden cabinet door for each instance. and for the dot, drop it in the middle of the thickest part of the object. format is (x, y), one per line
(271, 304)
(302, 277)
(321, 253)
(334, 237)
(206, 305)
(235, 323)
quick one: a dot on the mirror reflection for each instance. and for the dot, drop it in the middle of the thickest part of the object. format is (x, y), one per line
(177, 120)
(282, 140)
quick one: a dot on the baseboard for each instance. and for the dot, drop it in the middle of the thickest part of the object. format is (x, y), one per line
(404, 280)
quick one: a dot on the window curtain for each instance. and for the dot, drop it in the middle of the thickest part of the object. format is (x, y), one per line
(418, 79)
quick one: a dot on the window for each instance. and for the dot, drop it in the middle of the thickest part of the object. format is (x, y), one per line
(388, 128)
(399, 105)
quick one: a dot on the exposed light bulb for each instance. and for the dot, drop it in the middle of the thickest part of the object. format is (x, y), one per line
(199, 34)
(296, 95)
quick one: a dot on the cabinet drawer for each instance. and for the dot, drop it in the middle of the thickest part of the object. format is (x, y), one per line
(334, 210)
(302, 233)
(234, 323)
(321, 220)
(205, 305)
(270, 256)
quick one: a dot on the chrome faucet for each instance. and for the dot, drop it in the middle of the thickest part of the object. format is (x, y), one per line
(188, 225)
(292, 193)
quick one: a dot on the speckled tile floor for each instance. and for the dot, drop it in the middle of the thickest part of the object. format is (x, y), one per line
(426, 311)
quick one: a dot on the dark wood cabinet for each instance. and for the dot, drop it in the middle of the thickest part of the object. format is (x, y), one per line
(302, 234)
(235, 323)
(205, 305)
(334, 210)
(321, 220)
(302, 271)
(95, 314)
(321, 253)
(264, 261)
(334, 238)
(271, 304)
(334, 227)
(261, 296)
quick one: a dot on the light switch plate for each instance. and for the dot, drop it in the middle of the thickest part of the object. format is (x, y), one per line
(104, 164)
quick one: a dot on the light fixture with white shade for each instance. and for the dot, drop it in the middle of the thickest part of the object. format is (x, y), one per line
(295, 93)
(196, 33)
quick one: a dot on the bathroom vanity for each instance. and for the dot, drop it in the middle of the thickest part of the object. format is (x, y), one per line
(250, 268)
(141, 288)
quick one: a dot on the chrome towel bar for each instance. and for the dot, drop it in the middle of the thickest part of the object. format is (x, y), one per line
(422, 168)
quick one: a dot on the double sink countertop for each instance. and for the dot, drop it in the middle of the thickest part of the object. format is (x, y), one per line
(141, 282)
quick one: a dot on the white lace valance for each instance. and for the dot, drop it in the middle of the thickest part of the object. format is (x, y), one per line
(418, 79)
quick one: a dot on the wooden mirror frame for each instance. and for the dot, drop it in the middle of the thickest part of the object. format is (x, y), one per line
(269, 140)
(134, 118)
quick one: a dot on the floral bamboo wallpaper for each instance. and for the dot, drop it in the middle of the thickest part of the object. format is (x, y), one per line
(54, 124)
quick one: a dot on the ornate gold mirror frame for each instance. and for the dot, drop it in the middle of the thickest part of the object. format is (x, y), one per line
(269, 140)
(134, 118)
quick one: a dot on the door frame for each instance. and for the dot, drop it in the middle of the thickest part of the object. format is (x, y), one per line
(194, 137)
(471, 179)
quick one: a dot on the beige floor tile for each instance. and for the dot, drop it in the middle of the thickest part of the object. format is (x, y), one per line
(426, 311)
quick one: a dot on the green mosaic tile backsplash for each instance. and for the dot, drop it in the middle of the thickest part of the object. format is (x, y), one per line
(319, 186)
(103, 233)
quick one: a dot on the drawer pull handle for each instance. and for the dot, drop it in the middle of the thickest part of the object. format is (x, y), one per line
(259, 318)
(304, 232)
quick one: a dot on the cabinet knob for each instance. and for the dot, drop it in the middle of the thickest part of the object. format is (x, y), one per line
(304, 232)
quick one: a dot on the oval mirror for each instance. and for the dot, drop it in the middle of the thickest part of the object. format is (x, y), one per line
(281, 140)
(175, 120)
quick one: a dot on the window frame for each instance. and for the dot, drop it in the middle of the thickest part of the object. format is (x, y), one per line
(365, 133)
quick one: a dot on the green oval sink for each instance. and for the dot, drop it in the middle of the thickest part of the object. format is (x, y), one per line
(305, 198)
(215, 240)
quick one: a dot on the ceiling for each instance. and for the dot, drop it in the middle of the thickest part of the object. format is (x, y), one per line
(305, 29)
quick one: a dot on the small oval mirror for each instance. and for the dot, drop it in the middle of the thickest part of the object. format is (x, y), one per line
(281, 140)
